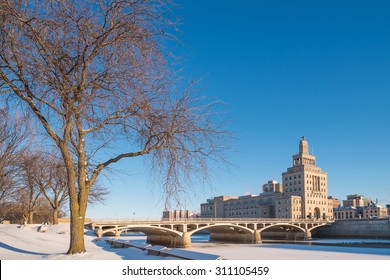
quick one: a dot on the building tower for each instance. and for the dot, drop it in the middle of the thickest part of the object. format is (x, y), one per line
(308, 181)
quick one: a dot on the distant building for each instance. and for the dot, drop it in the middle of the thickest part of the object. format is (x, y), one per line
(356, 206)
(303, 193)
(356, 200)
(335, 202)
(215, 207)
(172, 215)
(388, 209)
(374, 211)
(348, 212)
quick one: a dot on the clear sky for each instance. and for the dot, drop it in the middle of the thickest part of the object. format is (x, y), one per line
(284, 69)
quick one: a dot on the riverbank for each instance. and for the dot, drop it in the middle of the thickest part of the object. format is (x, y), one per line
(28, 244)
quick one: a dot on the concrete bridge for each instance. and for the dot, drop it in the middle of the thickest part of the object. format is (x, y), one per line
(177, 233)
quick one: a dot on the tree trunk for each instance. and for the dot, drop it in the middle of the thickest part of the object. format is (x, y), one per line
(55, 216)
(30, 217)
(76, 234)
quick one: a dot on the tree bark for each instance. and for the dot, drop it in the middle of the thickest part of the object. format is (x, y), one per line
(55, 216)
(31, 217)
(77, 245)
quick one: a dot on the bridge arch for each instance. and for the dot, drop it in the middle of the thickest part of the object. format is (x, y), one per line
(282, 224)
(156, 235)
(317, 226)
(231, 233)
(148, 230)
(222, 226)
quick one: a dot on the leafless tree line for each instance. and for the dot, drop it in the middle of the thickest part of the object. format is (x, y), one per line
(32, 179)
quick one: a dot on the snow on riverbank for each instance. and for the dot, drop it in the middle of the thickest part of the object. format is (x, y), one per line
(26, 243)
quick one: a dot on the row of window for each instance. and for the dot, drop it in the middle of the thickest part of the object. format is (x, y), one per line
(316, 202)
(243, 213)
(316, 195)
(291, 183)
(292, 177)
(291, 189)
(299, 182)
(239, 208)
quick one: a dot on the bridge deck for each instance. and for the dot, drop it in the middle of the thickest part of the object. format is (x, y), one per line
(212, 220)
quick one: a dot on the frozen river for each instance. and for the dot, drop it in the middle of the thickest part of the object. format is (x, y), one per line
(335, 249)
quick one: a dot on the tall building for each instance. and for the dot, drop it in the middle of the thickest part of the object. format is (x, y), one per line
(302, 194)
(306, 180)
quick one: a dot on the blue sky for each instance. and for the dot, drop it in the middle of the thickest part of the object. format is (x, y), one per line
(283, 69)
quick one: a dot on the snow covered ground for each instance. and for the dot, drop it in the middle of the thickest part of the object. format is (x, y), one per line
(26, 243)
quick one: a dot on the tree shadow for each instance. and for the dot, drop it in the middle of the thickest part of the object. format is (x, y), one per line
(17, 250)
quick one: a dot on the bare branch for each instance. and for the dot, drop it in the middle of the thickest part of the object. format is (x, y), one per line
(96, 75)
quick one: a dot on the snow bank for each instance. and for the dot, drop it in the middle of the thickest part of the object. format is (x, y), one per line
(26, 243)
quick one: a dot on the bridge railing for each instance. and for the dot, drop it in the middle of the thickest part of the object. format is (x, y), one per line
(207, 220)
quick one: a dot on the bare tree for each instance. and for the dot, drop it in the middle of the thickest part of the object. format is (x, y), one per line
(14, 137)
(50, 178)
(28, 191)
(16, 210)
(95, 75)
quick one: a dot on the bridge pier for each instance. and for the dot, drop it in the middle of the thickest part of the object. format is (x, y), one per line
(99, 232)
(257, 237)
(307, 235)
(183, 241)
(186, 240)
